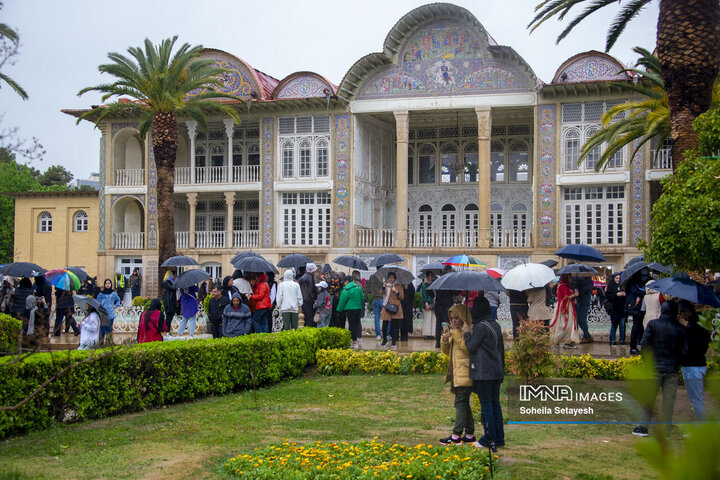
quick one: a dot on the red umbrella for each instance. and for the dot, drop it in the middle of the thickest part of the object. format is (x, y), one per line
(495, 272)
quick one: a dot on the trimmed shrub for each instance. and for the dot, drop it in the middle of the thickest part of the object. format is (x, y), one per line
(9, 333)
(153, 374)
(585, 366)
(345, 362)
(143, 302)
(530, 358)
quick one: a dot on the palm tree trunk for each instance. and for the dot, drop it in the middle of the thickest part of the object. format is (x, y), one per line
(165, 142)
(688, 47)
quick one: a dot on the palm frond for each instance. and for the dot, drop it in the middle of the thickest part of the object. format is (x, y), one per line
(597, 5)
(550, 8)
(114, 109)
(14, 85)
(620, 22)
(8, 32)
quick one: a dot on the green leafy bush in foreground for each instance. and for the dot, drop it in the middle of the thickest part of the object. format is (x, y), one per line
(9, 333)
(365, 460)
(152, 374)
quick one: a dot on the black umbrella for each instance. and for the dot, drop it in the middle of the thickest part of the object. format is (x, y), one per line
(549, 262)
(687, 289)
(435, 267)
(631, 269)
(293, 260)
(82, 300)
(581, 253)
(180, 261)
(577, 268)
(402, 274)
(254, 264)
(22, 269)
(469, 280)
(352, 262)
(191, 277)
(79, 272)
(659, 267)
(242, 255)
(639, 258)
(386, 258)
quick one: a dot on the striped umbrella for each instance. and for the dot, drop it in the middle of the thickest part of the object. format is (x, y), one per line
(63, 279)
(464, 261)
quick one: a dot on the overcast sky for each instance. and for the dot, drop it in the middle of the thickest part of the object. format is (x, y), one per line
(63, 42)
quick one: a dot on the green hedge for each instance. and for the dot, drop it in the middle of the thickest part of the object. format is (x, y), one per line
(153, 374)
(9, 333)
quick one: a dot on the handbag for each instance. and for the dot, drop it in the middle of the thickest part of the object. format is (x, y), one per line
(390, 308)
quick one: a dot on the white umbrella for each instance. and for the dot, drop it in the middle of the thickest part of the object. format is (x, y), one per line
(527, 275)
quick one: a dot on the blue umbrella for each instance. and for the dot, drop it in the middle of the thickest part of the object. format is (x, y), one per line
(581, 253)
(577, 269)
(687, 289)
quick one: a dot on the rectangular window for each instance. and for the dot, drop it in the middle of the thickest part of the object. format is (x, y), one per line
(238, 223)
(304, 146)
(305, 160)
(427, 168)
(322, 160)
(594, 215)
(306, 218)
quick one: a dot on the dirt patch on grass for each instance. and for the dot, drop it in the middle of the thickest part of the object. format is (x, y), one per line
(180, 462)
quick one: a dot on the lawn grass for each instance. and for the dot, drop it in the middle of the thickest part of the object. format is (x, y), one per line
(192, 440)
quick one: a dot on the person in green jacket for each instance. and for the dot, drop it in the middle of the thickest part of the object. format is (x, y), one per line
(351, 298)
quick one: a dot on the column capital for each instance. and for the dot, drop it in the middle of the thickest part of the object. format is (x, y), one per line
(191, 199)
(230, 198)
(402, 126)
(484, 122)
(191, 127)
(229, 125)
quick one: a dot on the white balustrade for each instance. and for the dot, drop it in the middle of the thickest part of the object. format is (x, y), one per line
(128, 240)
(130, 177)
(442, 238)
(372, 237)
(246, 239)
(182, 239)
(209, 239)
(182, 175)
(211, 175)
(245, 173)
(662, 159)
(510, 237)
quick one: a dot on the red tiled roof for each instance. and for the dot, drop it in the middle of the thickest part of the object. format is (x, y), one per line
(267, 83)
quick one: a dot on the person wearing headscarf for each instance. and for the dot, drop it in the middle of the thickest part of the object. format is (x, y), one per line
(350, 303)
(188, 309)
(408, 304)
(563, 328)
(6, 292)
(452, 344)
(487, 369)
(89, 328)
(22, 291)
(392, 298)
(236, 318)
(428, 303)
(169, 298)
(64, 312)
(35, 323)
(151, 323)
(693, 363)
(615, 300)
(322, 306)
(376, 292)
(109, 299)
(289, 299)
(229, 288)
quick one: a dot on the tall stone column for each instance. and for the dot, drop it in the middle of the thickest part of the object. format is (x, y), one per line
(230, 201)
(402, 127)
(192, 201)
(191, 127)
(229, 126)
(484, 128)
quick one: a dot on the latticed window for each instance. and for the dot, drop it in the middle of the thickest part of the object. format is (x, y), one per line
(497, 162)
(306, 218)
(471, 217)
(322, 158)
(510, 157)
(594, 215)
(470, 157)
(519, 216)
(448, 162)
(519, 162)
(45, 222)
(304, 146)
(580, 121)
(496, 216)
(80, 221)
(448, 217)
(426, 164)
(425, 217)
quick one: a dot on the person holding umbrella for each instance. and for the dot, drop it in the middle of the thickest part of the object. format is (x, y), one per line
(693, 363)
(376, 292)
(64, 310)
(188, 309)
(392, 311)
(615, 299)
(90, 326)
(428, 303)
(22, 291)
(563, 328)
(443, 302)
(634, 293)
(169, 298)
(109, 299)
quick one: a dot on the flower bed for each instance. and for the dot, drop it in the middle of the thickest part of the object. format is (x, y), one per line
(366, 460)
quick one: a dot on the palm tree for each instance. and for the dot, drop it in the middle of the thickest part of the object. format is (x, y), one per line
(688, 49)
(642, 119)
(6, 32)
(163, 86)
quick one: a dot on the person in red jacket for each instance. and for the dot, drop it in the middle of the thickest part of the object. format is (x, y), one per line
(263, 304)
(151, 323)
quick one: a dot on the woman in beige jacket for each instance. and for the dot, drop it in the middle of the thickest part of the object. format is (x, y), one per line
(393, 293)
(452, 343)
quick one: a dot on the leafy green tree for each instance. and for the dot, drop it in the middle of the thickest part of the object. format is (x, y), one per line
(685, 225)
(643, 119)
(163, 85)
(688, 49)
(55, 175)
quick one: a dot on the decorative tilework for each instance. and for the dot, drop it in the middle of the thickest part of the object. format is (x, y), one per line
(152, 211)
(268, 125)
(101, 226)
(116, 127)
(591, 69)
(237, 80)
(342, 199)
(114, 198)
(637, 194)
(546, 176)
(446, 58)
(304, 87)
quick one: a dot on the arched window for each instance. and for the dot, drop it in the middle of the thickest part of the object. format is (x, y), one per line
(448, 217)
(199, 156)
(237, 157)
(571, 150)
(217, 155)
(288, 159)
(470, 156)
(80, 221)
(496, 216)
(448, 163)
(45, 222)
(471, 216)
(305, 153)
(592, 157)
(426, 164)
(519, 162)
(519, 216)
(425, 220)
(321, 155)
(254, 154)
(497, 162)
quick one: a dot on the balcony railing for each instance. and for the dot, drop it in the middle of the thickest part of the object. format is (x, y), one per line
(182, 239)
(662, 159)
(442, 238)
(509, 238)
(210, 239)
(213, 175)
(372, 237)
(128, 240)
(245, 239)
(131, 177)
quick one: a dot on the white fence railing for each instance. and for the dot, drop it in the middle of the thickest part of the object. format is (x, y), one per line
(182, 239)
(662, 159)
(442, 238)
(130, 177)
(224, 174)
(246, 239)
(245, 173)
(509, 237)
(183, 175)
(210, 239)
(371, 237)
(128, 240)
